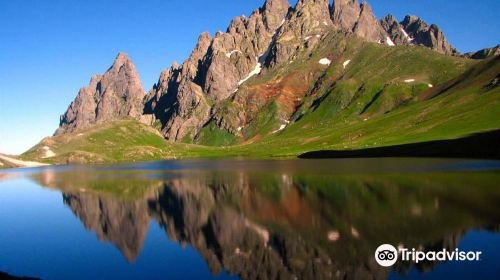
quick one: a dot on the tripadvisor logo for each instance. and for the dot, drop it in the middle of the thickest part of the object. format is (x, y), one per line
(387, 255)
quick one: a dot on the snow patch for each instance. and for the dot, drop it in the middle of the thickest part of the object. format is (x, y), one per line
(318, 36)
(47, 152)
(254, 72)
(229, 54)
(409, 80)
(390, 42)
(346, 63)
(325, 61)
(406, 35)
(282, 126)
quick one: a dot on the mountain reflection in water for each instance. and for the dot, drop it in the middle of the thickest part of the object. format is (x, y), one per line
(282, 223)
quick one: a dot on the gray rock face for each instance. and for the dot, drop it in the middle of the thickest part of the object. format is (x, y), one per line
(237, 52)
(308, 21)
(345, 13)
(350, 16)
(395, 30)
(414, 31)
(428, 36)
(368, 27)
(116, 94)
(180, 100)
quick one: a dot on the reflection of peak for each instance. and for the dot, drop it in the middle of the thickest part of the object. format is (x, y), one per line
(123, 223)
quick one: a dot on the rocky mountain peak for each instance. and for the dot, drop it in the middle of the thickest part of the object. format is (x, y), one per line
(350, 16)
(425, 35)
(116, 94)
(121, 59)
(395, 30)
(345, 13)
(368, 26)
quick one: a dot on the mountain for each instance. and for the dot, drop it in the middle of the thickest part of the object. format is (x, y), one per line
(484, 53)
(312, 76)
(116, 94)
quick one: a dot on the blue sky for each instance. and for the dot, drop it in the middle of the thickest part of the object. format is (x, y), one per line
(50, 49)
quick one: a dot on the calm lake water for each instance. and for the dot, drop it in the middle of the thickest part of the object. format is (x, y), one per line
(302, 219)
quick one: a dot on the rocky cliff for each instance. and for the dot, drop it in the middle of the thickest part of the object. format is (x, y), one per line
(116, 94)
(414, 31)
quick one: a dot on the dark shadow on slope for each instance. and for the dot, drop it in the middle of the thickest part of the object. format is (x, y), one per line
(6, 276)
(482, 145)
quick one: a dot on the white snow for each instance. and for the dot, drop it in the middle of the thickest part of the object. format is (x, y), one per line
(390, 42)
(406, 35)
(283, 126)
(346, 63)
(318, 36)
(325, 61)
(409, 80)
(430, 85)
(228, 55)
(254, 72)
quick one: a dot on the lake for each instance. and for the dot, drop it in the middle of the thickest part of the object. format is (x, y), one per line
(249, 219)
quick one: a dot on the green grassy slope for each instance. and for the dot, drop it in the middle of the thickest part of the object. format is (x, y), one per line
(384, 96)
(121, 141)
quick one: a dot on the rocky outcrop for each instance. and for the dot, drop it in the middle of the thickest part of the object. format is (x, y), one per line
(428, 36)
(368, 27)
(116, 94)
(350, 16)
(395, 31)
(414, 31)
(303, 28)
(345, 14)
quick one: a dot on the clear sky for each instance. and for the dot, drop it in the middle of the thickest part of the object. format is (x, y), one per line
(50, 49)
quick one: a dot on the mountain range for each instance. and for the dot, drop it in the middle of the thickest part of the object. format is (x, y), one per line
(295, 78)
